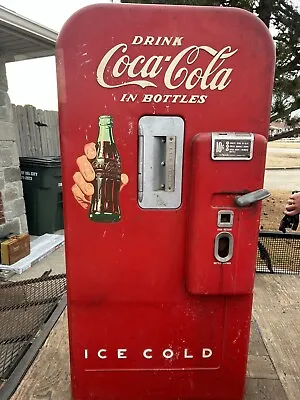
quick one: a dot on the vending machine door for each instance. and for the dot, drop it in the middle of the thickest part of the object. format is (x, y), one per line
(160, 242)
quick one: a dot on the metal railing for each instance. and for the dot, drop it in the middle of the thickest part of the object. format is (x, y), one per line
(278, 253)
(24, 307)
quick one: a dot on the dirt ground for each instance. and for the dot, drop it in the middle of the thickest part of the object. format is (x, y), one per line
(272, 210)
(279, 154)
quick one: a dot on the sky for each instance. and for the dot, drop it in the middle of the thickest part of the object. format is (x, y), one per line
(39, 86)
(34, 81)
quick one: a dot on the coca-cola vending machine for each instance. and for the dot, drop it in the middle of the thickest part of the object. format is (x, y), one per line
(164, 118)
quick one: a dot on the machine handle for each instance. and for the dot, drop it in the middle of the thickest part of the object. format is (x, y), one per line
(252, 197)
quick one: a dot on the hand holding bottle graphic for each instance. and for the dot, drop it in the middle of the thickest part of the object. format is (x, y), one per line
(99, 180)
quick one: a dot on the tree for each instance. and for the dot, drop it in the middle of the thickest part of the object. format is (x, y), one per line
(286, 99)
(283, 19)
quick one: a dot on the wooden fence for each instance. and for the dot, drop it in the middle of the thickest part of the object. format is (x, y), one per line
(38, 133)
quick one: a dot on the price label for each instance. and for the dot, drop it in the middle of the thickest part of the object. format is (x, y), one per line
(232, 146)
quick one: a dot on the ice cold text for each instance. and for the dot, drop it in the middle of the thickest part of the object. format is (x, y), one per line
(149, 353)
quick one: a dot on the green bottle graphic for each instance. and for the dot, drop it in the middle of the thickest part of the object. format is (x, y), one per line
(105, 205)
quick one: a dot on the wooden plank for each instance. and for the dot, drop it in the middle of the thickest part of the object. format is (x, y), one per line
(264, 389)
(17, 124)
(48, 133)
(46, 148)
(49, 376)
(33, 140)
(24, 131)
(261, 367)
(44, 134)
(277, 311)
(21, 136)
(257, 346)
(51, 136)
(53, 126)
(56, 124)
(31, 117)
(54, 117)
(36, 131)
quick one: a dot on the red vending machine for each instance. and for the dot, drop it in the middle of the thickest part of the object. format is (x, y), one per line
(164, 118)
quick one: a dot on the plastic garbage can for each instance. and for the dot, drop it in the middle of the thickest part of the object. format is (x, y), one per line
(42, 189)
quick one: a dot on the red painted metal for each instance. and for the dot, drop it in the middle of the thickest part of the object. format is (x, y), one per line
(213, 192)
(150, 314)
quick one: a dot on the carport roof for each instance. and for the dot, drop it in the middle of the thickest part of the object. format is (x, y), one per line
(22, 39)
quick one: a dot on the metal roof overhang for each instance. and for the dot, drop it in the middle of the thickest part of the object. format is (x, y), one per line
(23, 39)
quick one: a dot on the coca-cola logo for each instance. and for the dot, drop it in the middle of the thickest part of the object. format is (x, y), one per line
(201, 67)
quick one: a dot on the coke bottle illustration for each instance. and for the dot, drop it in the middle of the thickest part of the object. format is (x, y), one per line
(105, 205)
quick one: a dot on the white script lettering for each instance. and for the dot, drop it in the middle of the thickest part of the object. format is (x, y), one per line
(196, 73)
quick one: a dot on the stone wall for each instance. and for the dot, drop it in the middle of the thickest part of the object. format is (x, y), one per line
(12, 206)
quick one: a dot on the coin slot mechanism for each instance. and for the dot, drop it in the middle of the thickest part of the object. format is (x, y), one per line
(223, 247)
(160, 161)
(164, 163)
(225, 219)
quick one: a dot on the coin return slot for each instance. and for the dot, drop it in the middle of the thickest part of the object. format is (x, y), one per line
(225, 219)
(223, 247)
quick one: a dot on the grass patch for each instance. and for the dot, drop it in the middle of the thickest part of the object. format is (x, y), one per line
(284, 145)
(282, 160)
(279, 155)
